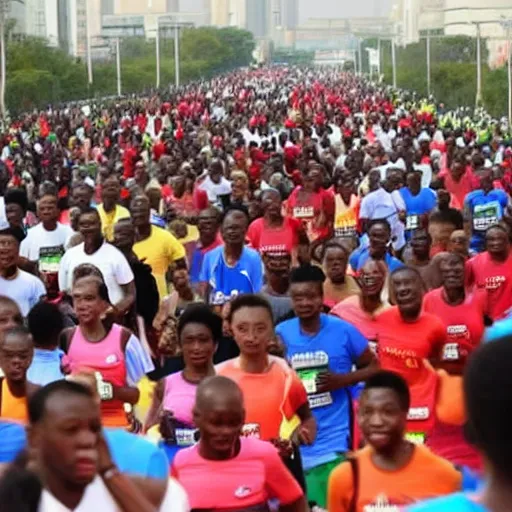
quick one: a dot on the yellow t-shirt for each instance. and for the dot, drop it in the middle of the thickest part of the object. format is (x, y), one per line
(109, 219)
(159, 251)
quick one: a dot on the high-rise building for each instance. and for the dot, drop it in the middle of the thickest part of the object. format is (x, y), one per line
(258, 17)
(173, 5)
(220, 13)
(289, 14)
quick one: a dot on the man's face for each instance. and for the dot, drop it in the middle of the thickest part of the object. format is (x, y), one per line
(379, 237)
(9, 248)
(15, 356)
(140, 212)
(234, 228)
(10, 316)
(110, 191)
(252, 329)
(277, 263)
(66, 440)
(408, 291)
(89, 225)
(307, 299)
(47, 210)
(380, 418)
(81, 197)
(15, 214)
(124, 236)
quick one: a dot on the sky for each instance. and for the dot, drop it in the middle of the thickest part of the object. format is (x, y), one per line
(325, 8)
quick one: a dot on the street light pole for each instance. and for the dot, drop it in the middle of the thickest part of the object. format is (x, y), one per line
(360, 56)
(177, 54)
(88, 43)
(393, 59)
(4, 6)
(118, 66)
(478, 65)
(158, 53)
(378, 51)
(429, 83)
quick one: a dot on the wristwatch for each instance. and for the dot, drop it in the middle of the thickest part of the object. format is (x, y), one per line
(110, 473)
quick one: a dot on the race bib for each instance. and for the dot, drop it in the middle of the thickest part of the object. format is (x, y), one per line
(308, 366)
(49, 259)
(486, 215)
(251, 430)
(417, 438)
(304, 212)
(451, 352)
(185, 436)
(418, 414)
(412, 222)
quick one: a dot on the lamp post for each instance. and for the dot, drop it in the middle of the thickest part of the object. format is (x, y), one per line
(507, 24)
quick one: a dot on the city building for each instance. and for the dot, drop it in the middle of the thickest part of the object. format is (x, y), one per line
(258, 17)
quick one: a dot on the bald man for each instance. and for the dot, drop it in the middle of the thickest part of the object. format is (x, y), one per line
(224, 470)
(459, 243)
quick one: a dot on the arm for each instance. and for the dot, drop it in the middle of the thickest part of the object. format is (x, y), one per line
(128, 299)
(156, 405)
(308, 428)
(299, 505)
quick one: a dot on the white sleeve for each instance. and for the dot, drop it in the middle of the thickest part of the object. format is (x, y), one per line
(365, 213)
(398, 200)
(138, 361)
(123, 271)
(63, 272)
(175, 499)
(25, 248)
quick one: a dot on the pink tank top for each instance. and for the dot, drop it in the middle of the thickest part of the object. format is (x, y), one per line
(106, 357)
(179, 397)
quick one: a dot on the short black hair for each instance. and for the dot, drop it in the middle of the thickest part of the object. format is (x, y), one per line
(89, 210)
(201, 314)
(406, 268)
(249, 301)
(334, 244)
(487, 383)
(391, 380)
(17, 196)
(376, 222)
(16, 232)
(45, 322)
(307, 274)
(500, 227)
(38, 401)
(236, 208)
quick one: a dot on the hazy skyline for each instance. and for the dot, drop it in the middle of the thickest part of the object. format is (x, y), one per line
(323, 8)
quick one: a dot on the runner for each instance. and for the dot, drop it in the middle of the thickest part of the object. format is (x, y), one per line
(488, 375)
(338, 285)
(45, 323)
(16, 352)
(10, 314)
(155, 246)
(408, 337)
(109, 210)
(199, 332)
(363, 309)
(116, 272)
(492, 271)
(323, 350)
(24, 288)
(232, 268)
(347, 204)
(384, 474)
(224, 471)
(114, 354)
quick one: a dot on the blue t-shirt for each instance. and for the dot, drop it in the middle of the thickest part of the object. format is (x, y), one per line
(360, 256)
(132, 454)
(45, 367)
(336, 347)
(454, 503)
(415, 206)
(227, 282)
(498, 329)
(485, 210)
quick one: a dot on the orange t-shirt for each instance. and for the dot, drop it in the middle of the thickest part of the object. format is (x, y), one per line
(268, 397)
(425, 476)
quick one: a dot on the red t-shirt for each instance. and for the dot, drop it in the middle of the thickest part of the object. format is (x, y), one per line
(464, 323)
(274, 240)
(314, 210)
(459, 189)
(496, 278)
(403, 348)
(248, 480)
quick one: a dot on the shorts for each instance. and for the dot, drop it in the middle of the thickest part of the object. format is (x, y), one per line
(317, 479)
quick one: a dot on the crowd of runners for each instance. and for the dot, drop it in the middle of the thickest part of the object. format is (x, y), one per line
(261, 292)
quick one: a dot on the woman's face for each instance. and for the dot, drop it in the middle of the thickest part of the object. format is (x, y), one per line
(372, 278)
(198, 345)
(335, 264)
(14, 214)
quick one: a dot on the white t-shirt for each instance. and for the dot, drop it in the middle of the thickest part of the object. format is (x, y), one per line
(383, 205)
(97, 497)
(3, 215)
(47, 247)
(25, 289)
(214, 190)
(111, 262)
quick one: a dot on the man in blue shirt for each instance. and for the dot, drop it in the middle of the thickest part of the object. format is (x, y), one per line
(483, 208)
(379, 236)
(323, 350)
(419, 202)
(487, 384)
(231, 269)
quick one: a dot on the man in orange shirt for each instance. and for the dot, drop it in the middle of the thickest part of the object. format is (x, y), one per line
(390, 471)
